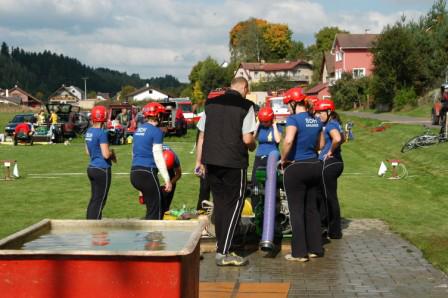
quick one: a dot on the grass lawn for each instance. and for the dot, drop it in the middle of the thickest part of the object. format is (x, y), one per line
(423, 111)
(54, 184)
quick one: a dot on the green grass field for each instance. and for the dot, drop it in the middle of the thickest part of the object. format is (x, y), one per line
(54, 184)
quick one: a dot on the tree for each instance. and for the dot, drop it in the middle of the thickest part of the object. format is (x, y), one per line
(4, 49)
(397, 63)
(125, 91)
(197, 96)
(324, 41)
(256, 39)
(297, 51)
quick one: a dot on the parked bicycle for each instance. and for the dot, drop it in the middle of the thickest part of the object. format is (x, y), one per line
(428, 138)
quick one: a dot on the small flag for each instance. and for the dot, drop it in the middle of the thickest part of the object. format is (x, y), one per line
(383, 169)
(15, 172)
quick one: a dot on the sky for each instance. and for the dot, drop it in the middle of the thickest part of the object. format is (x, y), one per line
(158, 37)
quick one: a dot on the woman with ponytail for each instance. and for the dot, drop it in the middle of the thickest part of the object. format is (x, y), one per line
(332, 166)
(302, 176)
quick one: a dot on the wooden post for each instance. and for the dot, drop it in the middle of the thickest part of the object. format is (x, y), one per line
(7, 164)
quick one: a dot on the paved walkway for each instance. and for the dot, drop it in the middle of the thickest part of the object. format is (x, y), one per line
(370, 261)
(388, 117)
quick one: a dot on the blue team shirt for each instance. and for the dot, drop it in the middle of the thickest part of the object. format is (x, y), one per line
(145, 137)
(94, 138)
(332, 124)
(308, 132)
(266, 140)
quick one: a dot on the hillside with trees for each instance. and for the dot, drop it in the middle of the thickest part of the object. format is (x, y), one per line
(42, 73)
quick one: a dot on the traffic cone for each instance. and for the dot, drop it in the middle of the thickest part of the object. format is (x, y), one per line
(15, 171)
(382, 170)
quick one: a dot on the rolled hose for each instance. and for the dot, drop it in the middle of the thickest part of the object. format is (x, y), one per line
(270, 191)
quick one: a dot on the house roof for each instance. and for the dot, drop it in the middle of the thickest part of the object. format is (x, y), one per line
(329, 62)
(13, 99)
(62, 88)
(146, 88)
(273, 66)
(16, 88)
(317, 88)
(354, 41)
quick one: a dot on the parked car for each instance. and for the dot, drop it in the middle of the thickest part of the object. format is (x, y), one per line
(71, 121)
(19, 118)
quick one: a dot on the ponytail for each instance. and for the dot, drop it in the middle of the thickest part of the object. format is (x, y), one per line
(336, 116)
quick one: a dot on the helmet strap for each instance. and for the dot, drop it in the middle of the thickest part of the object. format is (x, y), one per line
(293, 106)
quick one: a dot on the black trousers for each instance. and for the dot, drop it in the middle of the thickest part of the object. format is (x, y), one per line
(259, 161)
(100, 183)
(204, 192)
(145, 180)
(167, 198)
(228, 186)
(332, 169)
(302, 181)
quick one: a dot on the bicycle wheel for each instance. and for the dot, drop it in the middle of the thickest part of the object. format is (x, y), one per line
(409, 145)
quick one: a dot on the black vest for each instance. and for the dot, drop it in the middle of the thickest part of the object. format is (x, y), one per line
(223, 143)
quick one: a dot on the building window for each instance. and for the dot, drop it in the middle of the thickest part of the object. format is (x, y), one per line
(256, 74)
(338, 74)
(339, 56)
(359, 72)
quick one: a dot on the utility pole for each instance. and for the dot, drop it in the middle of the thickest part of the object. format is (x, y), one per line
(85, 86)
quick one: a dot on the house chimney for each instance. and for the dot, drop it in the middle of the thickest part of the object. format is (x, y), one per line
(262, 61)
(7, 93)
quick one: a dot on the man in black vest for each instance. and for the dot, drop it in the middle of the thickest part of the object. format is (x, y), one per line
(226, 135)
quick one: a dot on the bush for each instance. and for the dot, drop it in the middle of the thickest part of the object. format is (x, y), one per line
(403, 97)
(348, 92)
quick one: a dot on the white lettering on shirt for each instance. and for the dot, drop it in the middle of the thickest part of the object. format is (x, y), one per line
(310, 122)
(141, 131)
(89, 136)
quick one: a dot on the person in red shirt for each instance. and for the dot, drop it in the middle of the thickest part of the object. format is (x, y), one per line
(23, 131)
(23, 127)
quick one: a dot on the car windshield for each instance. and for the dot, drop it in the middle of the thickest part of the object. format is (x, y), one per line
(22, 118)
(186, 108)
(278, 104)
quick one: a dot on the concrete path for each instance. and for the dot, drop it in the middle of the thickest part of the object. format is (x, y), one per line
(370, 261)
(387, 117)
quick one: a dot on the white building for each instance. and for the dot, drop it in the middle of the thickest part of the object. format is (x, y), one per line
(299, 71)
(147, 93)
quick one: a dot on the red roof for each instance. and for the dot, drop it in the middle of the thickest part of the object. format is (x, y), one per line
(273, 66)
(355, 41)
(316, 89)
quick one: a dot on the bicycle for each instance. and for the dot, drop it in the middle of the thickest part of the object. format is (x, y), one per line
(428, 138)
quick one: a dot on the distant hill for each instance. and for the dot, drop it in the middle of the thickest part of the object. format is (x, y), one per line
(44, 72)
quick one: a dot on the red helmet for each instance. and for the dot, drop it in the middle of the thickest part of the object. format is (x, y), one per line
(170, 158)
(153, 109)
(312, 98)
(294, 94)
(324, 105)
(98, 114)
(266, 114)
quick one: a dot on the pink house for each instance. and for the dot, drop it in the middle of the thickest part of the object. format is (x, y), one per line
(352, 54)
(349, 53)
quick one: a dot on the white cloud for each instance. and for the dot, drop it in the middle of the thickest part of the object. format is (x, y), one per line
(154, 37)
